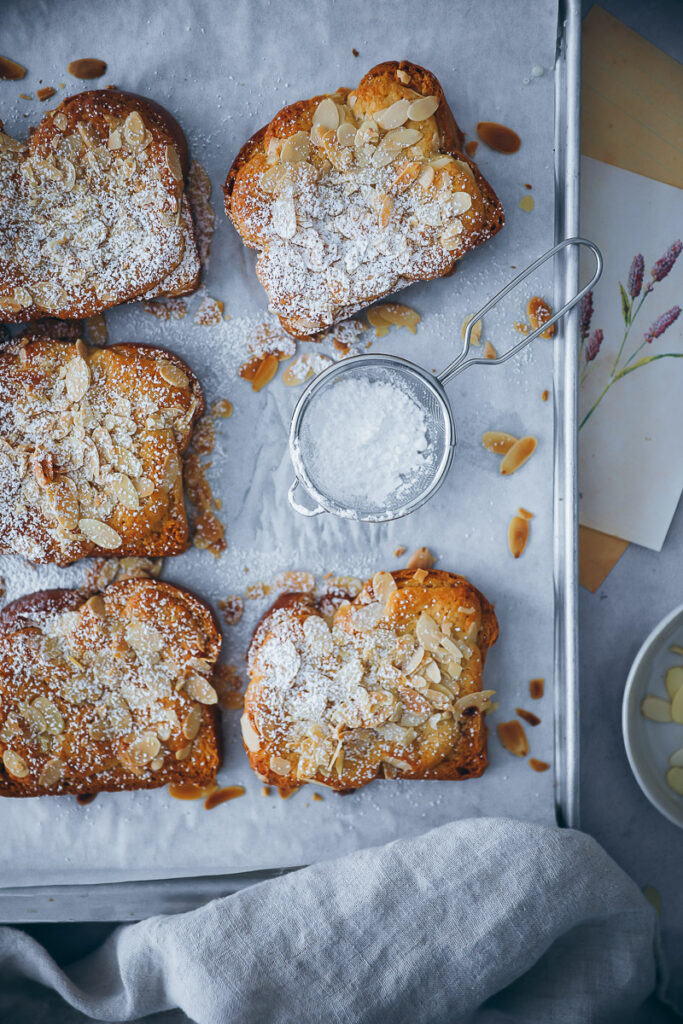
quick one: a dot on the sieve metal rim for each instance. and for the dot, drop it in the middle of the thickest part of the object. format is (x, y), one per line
(344, 366)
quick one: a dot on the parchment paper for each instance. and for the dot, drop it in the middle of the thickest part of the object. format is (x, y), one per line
(224, 70)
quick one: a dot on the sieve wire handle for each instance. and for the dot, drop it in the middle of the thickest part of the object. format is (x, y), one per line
(461, 362)
(303, 510)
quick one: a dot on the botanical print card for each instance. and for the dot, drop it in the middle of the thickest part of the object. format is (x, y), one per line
(631, 357)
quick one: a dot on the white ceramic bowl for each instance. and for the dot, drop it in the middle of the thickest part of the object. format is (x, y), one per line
(650, 744)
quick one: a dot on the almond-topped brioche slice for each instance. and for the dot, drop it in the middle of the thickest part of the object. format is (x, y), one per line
(92, 210)
(352, 195)
(107, 692)
(91, 444)
(388, 685)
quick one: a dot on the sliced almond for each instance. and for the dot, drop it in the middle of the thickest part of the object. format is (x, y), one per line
(407, 174)
(538, 766)
(489, 351)
(134, 129)
(393, 116)
(539, 312)
(280, 765)
(422, 558)
(77, 379)
(326, 114)
(122, 488)
(520, 453)
(674, 779)
(512, 736)
(677, 707)
(265, 372)
(498, 441)
(536, 688)
(428, 633)
(54, 722)
(173, 374)
(475, 336)
(674, 680)
(252, 740)
(386, 207)
(420, 110)
(296, 148)
(426, 178)
(99, 533)
(305, 366)
(96, 606)
(480, 699)
(524, 513)
(50, 773)
(529, 717)
(676, 759)
(656, 708)
(346, 134)
(449, 239)
(157, 763)
(383, 586)
(192, 722)
(15, 764)
(518, 535)
(199, 689)
(183, 753)
(144, 748)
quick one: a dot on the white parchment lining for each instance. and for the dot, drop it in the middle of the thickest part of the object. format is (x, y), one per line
(224, 70)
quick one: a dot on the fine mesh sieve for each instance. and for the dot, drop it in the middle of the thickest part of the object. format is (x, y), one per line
(428, 393)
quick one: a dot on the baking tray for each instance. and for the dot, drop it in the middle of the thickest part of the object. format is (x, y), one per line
(136, 899)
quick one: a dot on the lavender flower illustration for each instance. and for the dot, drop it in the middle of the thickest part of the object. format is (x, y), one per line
(590, 347)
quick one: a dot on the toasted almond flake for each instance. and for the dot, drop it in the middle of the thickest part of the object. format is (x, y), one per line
(326, 114)
(183, 753)
(656, 708)
(422, 558)
(420, 110)
(383, 585)
(427, 632)
(498, 441)
(54, 722)
(346, 134)
(50, 772)
(475, 336)
(87, 67)
(144, 748)
(192, 722)
(524, 513)
(480, 699)
(279, 765)
(221, 409)
(305, 366)
(134, 129)
(520, 453)
(414, 660)
(512, 736)
(266, 370)
(296, 148)
(536, 688)
(527, 203)
(518, 535)
(386, 207)
(15, 764)
(265, 790)
(538, 766)
(115, 141)
(121, 488)
(544, 398)
(420, 575)
(199, 689)
(77, 378)
(157, 764)
(529, 717)
(173, 163)
(99, 533)
(449, 240)
(10, 70)
(674, 680)
(426, 178)
(173, 374)
(539, 312)
(676, 649)
(674, 779)
(252, 740)
(489, 351)
(393, 116)
(96, 606)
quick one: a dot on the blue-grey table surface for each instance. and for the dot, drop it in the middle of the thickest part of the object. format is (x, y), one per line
(614, 621)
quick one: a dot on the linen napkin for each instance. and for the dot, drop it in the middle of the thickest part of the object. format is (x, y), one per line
(480, 920)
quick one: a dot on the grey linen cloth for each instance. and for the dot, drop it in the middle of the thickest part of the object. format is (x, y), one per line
(484, 920)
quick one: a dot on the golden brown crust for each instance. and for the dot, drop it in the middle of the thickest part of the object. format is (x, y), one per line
(421, 716)
(93, 435)
(95, 691)
(282, 274)
(110, 190)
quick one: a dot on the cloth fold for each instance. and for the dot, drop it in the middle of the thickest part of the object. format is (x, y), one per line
(483, 920)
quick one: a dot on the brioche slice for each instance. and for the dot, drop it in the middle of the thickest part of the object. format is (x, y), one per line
(352, 195)
(92, 211)
(389, 685)
(91, 441)
(107, 692)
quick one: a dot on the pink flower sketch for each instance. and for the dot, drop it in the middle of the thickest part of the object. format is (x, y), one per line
(590, 347)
